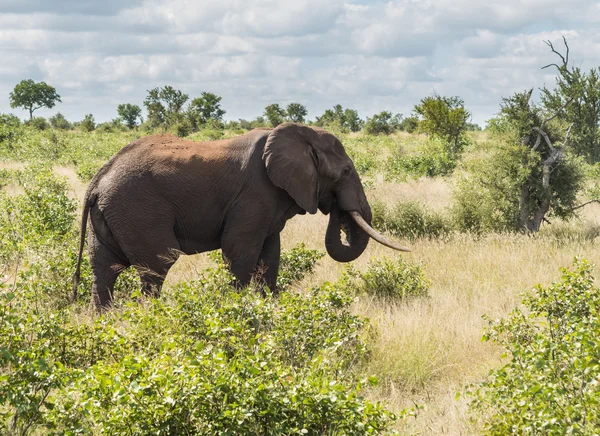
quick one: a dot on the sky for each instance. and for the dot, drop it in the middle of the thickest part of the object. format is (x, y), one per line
(366, 55)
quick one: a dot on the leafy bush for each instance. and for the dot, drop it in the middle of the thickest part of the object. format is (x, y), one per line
(550, 383)
(58, 121)
(431, 160)
(208, 360)
(295, 264)
(409, 220)
(38, 123)
(399, 280)
(43, 213)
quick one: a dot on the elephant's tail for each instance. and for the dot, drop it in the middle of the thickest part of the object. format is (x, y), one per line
(89, 202)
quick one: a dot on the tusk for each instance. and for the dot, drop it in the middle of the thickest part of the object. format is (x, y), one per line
(357, 217)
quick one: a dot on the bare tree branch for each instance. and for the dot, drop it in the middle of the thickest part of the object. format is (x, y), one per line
(565, 59)
(584, 204)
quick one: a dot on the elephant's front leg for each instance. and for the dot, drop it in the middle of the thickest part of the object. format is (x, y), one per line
(268, 263)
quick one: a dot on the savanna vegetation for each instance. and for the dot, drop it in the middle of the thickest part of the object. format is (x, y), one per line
(504, 224)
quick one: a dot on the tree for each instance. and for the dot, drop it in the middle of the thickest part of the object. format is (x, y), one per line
(88, 123)
(339, 119)
(352, 121)
(409, 124)
(58, 121)
(382, 123)
(164, 106)
(444, 117)
(583, 91)
(275, 114)
(33, 96)
(205, 109)
(129, 113)
(296, 112)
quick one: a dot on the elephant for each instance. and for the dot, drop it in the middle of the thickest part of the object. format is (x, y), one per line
(162, 195)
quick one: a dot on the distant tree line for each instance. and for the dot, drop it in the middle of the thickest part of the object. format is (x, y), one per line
(170, 109)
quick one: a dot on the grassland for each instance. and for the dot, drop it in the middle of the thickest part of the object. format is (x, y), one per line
(425, 351)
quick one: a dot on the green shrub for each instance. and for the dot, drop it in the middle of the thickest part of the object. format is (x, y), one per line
(208, 360)
(58, 121)
(295, 264)
(399, 280)
(550, 383)
(38, 123)
(431, 160)
(409, 219)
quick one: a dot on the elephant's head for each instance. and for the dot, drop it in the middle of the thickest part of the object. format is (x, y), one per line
(313, 167)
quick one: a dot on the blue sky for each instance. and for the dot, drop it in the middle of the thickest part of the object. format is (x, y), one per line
(366, 55)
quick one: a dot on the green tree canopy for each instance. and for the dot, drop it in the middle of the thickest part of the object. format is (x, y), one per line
(583, 91)
(444, 117)
(204, 109)
(33, 96)
(129, 113)
(275, 114)
(164, 106)
(338, 118)
(58, 121)
(382, 123)
(296, 112)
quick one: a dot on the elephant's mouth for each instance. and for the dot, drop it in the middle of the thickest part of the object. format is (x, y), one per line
(346, 233)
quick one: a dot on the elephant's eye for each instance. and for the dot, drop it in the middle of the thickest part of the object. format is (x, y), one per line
(345, 171)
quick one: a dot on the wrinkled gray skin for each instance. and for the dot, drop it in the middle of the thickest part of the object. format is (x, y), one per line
(162, 196)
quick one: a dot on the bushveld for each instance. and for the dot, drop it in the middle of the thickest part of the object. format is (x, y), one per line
(389, 343)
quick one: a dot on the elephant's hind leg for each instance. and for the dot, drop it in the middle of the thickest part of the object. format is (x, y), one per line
(106, 267)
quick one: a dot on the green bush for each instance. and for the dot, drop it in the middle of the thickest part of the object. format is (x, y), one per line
(430, 160)
(38, 123)
(409, 219)
(207, 360)
(295, 264)
(400, 280)
(550, 383)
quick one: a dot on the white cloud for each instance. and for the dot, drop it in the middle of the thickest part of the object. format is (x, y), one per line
(369, 55)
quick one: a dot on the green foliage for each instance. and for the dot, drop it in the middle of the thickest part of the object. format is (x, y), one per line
(44, 212)
(507, 190)
(486, 198)
(409, 220)
(164, 106)
(182, 127)
(58, 121)
(340, 120)
(88, 123)
(409, 124)
(445, 118)
(431, 159)
(129, 113)
(583, 90)
(383, 123)
(295, 264)
(33, 96)
(205, 110)
(38, 123)
(549, 385)
(397, 280)
(275, 114)
(209, 360)
(296, 112)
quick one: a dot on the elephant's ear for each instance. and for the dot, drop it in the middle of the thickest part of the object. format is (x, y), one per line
(290, 160)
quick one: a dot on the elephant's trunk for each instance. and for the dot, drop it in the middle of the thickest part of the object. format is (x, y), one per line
(356, 238)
